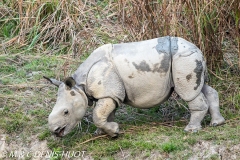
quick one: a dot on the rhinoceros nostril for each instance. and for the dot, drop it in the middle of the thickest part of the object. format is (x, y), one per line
(57, 130)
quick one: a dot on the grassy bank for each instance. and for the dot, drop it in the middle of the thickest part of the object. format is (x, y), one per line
(27, 100)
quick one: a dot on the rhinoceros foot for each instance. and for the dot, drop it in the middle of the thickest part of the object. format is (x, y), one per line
(192, 128)
(100, 131)
(217, 121)
(111, 128)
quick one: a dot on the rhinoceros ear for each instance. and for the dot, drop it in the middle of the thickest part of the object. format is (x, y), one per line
(53, 81)
(69, 82)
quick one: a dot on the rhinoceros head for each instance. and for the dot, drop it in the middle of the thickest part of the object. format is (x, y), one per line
(69, 109)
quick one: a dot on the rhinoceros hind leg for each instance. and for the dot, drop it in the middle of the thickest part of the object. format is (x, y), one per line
(213, 101)
(198, 108)
(102, 114)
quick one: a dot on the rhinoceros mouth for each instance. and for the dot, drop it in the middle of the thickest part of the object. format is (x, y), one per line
(60, 132)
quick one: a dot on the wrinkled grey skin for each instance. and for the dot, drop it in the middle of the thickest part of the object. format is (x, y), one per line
(141, 74)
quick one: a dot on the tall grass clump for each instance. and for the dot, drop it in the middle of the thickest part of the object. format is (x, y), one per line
(206, 23)
(59, 25)
(69, 26)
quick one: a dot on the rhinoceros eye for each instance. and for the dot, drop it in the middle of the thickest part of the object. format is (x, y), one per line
(65, 112)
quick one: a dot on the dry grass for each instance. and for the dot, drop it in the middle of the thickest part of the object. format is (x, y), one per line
(78, 27)
(205, 23)
(50, 25)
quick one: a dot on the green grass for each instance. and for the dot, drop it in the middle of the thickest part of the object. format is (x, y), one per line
(147, 141)
(9, 29)
(169, 147)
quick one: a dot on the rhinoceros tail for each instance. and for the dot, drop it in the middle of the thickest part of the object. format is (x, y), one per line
(206, 79)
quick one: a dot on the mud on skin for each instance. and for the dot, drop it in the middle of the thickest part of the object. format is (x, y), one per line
(198, 70)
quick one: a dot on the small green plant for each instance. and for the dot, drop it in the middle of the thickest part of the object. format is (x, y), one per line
(57, 154)
(191, 141)
(214, 157)
(145, 145)
(169, 147)
(9, 29)
(44, 135)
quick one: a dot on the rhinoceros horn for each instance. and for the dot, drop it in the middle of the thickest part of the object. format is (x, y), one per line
(53, 81)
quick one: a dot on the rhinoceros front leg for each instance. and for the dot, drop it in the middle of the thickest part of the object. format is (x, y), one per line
(102, 114)
(198, 108)
(110, 118)
(213, 101)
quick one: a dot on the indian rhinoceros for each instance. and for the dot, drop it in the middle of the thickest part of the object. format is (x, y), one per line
(140, 74)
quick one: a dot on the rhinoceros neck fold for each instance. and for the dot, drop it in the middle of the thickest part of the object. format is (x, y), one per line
(81, 74)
